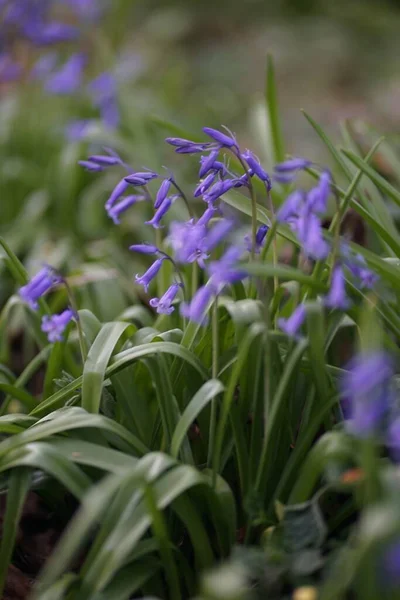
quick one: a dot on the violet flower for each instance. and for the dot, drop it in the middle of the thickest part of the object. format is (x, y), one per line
(158, 215)
(260, 237)
(308, 228)
(163, 304)
(68, 79)
(55, 325)
(292, 325)
(90, 166)
(149, 275)
(105, 160)
(38, 286)
(256, 168)
(226, 270)
(196, 310)
(216, 235)
(117, 192)
(366, 386)
(207, 215)
(186, 146)
(186, 240)
(207, 163)
(220, 138)
(117, 209)
(291, 207)
(336, 297)
(219, 189)
(204, 185)
(317, 197)
(144, 248)
(162, 192)
(292, 164)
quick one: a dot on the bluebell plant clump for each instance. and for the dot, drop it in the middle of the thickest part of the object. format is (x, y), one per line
(41, 284)
(45, 25)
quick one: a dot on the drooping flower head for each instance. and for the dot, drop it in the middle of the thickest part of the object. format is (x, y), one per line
(337, 297)
(164, 304)
(38, 286)
(366, 388)
(197, 308)
(292, 325)
(150, 274)
(55, 325)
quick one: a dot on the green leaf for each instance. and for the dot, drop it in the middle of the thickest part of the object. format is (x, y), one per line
(273, 113)
(96, 364)
(18, 488)
(206, 393)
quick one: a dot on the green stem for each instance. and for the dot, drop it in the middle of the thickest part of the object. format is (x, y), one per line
(214, 374)
(74, 307)
(184, 198)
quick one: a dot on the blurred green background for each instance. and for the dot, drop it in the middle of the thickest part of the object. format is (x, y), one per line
(192, 63)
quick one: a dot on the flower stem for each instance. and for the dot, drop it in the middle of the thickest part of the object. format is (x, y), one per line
(74, 307)
(184, 198)
(214, 374)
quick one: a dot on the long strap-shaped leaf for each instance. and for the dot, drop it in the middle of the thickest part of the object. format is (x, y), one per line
(97, 362)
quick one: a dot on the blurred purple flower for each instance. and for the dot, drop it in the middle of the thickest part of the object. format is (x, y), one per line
(69, 78)
(393, 439)
(9, 69)
(163, 304)
(317, 197)
(55, 325)
(103, 90)
(336, 297)
(366, 387)
(39, 285)
(216, 235)
(46, 34)
(308, 228)
(291, 325)
(186, 241)
(196, 310)
(149, 275)
(78, 129)
(292, 164)
(118, 209)
(104, 160)
(90, 166)
(44, 65)
(291, 207)
(226, 270)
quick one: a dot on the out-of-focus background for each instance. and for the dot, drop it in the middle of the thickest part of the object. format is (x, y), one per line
(126, 66)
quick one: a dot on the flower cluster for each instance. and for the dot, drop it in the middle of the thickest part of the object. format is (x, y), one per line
(44, 281)
(197, 239)
(33, 21)
(302, 211)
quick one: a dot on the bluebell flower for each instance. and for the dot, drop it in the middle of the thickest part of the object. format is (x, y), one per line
(68, 79)
(219, 189)
(105, 160)
(292, 164)
(206, 163)
(39, 285)
(9, 69)
(186, 146)
(226, 270)
(44, 65)
(393, 439)
(163, 304)
(196, 310)
(308, 228)
(260, 237)
(186, 240)
(256, 168)
(76, 130)
(291, 207)
(204, 185)
(117, 192)
(90, 166)
(46, 34)
(284, 178)
(162, 192)
(55, 325)
(103, 90)
(144, 248)
(390, 564)
(336, 297)
(219, 137)
(207, 215)
(149, 275)
(160, 212)
(116, 210)
(292, 325)
(366, 387)
(317, 197)
(216, 235)
(366, 279)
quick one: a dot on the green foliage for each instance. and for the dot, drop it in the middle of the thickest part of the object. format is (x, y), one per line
(175, 458)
